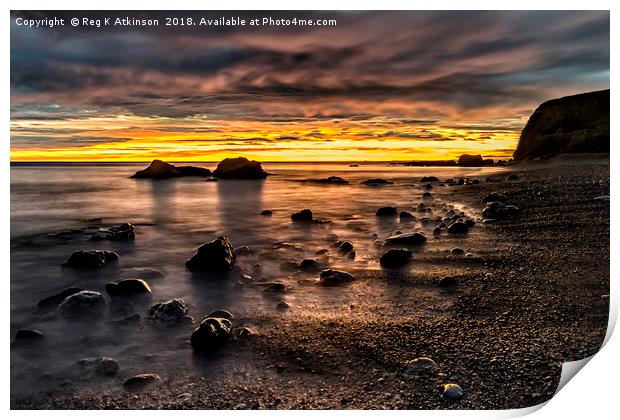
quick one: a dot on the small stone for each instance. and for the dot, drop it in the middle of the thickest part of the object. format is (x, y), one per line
(302, 216)
(128, 288)
(93, 366)
(420, 366)
(458, 228)
(266, 213)
(407, 239)
(167, 313)
(282, 306)
(211, 334)
(217, 256)
(332, 277)
(93, 258)
(275, 288)
(448, 282)
(376, 182)
(429, 179)
(83, 303)
(141, 380)
(27, 335)
(494, 197)
(221, 313)
(437, 232)
(457, 251)
(406, 215)
(345, 247)
(309, 265)
(452, 392)
(388, 211)
(123, 232)
(52, 302)
(395, 258)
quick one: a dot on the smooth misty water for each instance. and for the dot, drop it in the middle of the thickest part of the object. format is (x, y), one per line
(172, 219)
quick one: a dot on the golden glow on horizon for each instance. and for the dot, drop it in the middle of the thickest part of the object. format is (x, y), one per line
(134, 138)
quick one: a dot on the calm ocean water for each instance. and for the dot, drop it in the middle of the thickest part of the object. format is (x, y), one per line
(173, 218)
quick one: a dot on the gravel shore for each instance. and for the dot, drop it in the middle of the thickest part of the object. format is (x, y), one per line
(533, 293)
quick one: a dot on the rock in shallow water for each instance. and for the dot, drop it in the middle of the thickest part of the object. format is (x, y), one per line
(123, 232)
(94, 258)
(239, 168)
(388, 211)
(128, 288)
(304, 215)
(82, 303)
(167, 313)
(52, 302)
(331, 277)
(458, 228)
(211, 334)
(28, 335)
(162, 170)
(97, 366)
(217, 256)
(395, 258)
(412, 239)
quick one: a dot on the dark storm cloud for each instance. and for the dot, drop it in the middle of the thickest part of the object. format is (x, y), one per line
(467, 60)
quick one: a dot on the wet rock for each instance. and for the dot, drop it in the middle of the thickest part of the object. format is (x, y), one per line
(309, 265)
(211, 334)
(437, 232)
(275, 287)
(217, 256)
(331, 180)
(457, 251)
(406, 215)
(82, 303)
(376, 182)
(28, 335)
(167, 313)
(458, 228)
(140, 381)
(395, 258)
(420, 366)
(407, 239)
(304, 215)
(51, 302)
(332, 277)
(123, 232)
(429, 179)
(388, 211)
(94, 258)
(128, 288)
(266, 213)
(345, 247)
(494, 197)
(499, 210)
(161, 170)
(97, 366)
(448, 282)
(452, 392)
(282, 306)
(239, 168)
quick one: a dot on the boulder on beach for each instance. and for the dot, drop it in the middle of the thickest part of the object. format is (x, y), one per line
(573, 124)
(82, 303)
(122, 232)
(376, 182)
(387, 211)
(161, 170)
(239, 168)
(167, 313)
(52, 302)
(395, 258)
(94, 258)
(499, 210)
(140, 381)
(407, 239)
(211, 334)
(218, 256)
(128, 288)
(331, 277)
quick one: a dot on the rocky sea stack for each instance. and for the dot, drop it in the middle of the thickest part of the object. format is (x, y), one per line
(159, 169)
(239, 168)
(573, 124)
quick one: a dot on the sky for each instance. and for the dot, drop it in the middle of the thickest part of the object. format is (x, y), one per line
(377, 86)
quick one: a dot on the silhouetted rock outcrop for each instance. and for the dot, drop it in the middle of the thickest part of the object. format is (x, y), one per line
(239, 168)
(474, 160)
(573, 124)
(161, 170)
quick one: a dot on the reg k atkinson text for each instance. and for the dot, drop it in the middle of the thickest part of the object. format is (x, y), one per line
(171, 21)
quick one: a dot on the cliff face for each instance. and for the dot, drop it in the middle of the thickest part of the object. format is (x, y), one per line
(574, 124)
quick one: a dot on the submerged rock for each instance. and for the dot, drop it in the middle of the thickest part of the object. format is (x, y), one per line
(218, 256)
(407, 239)
(452, 392)
(395, 258)
(387, 211)
(331, 277)
(211, 334)
(331, 180)
(266, 213)
(83, 303)
(97, 366)
(304, 215)
(429, 179)
(376, 182)
(499, 210)
(141, 380)
(128, 288)
(94, 258)
(239, 168)
(161, 170)
(52, 302)
(167, 313)
(123, 232)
